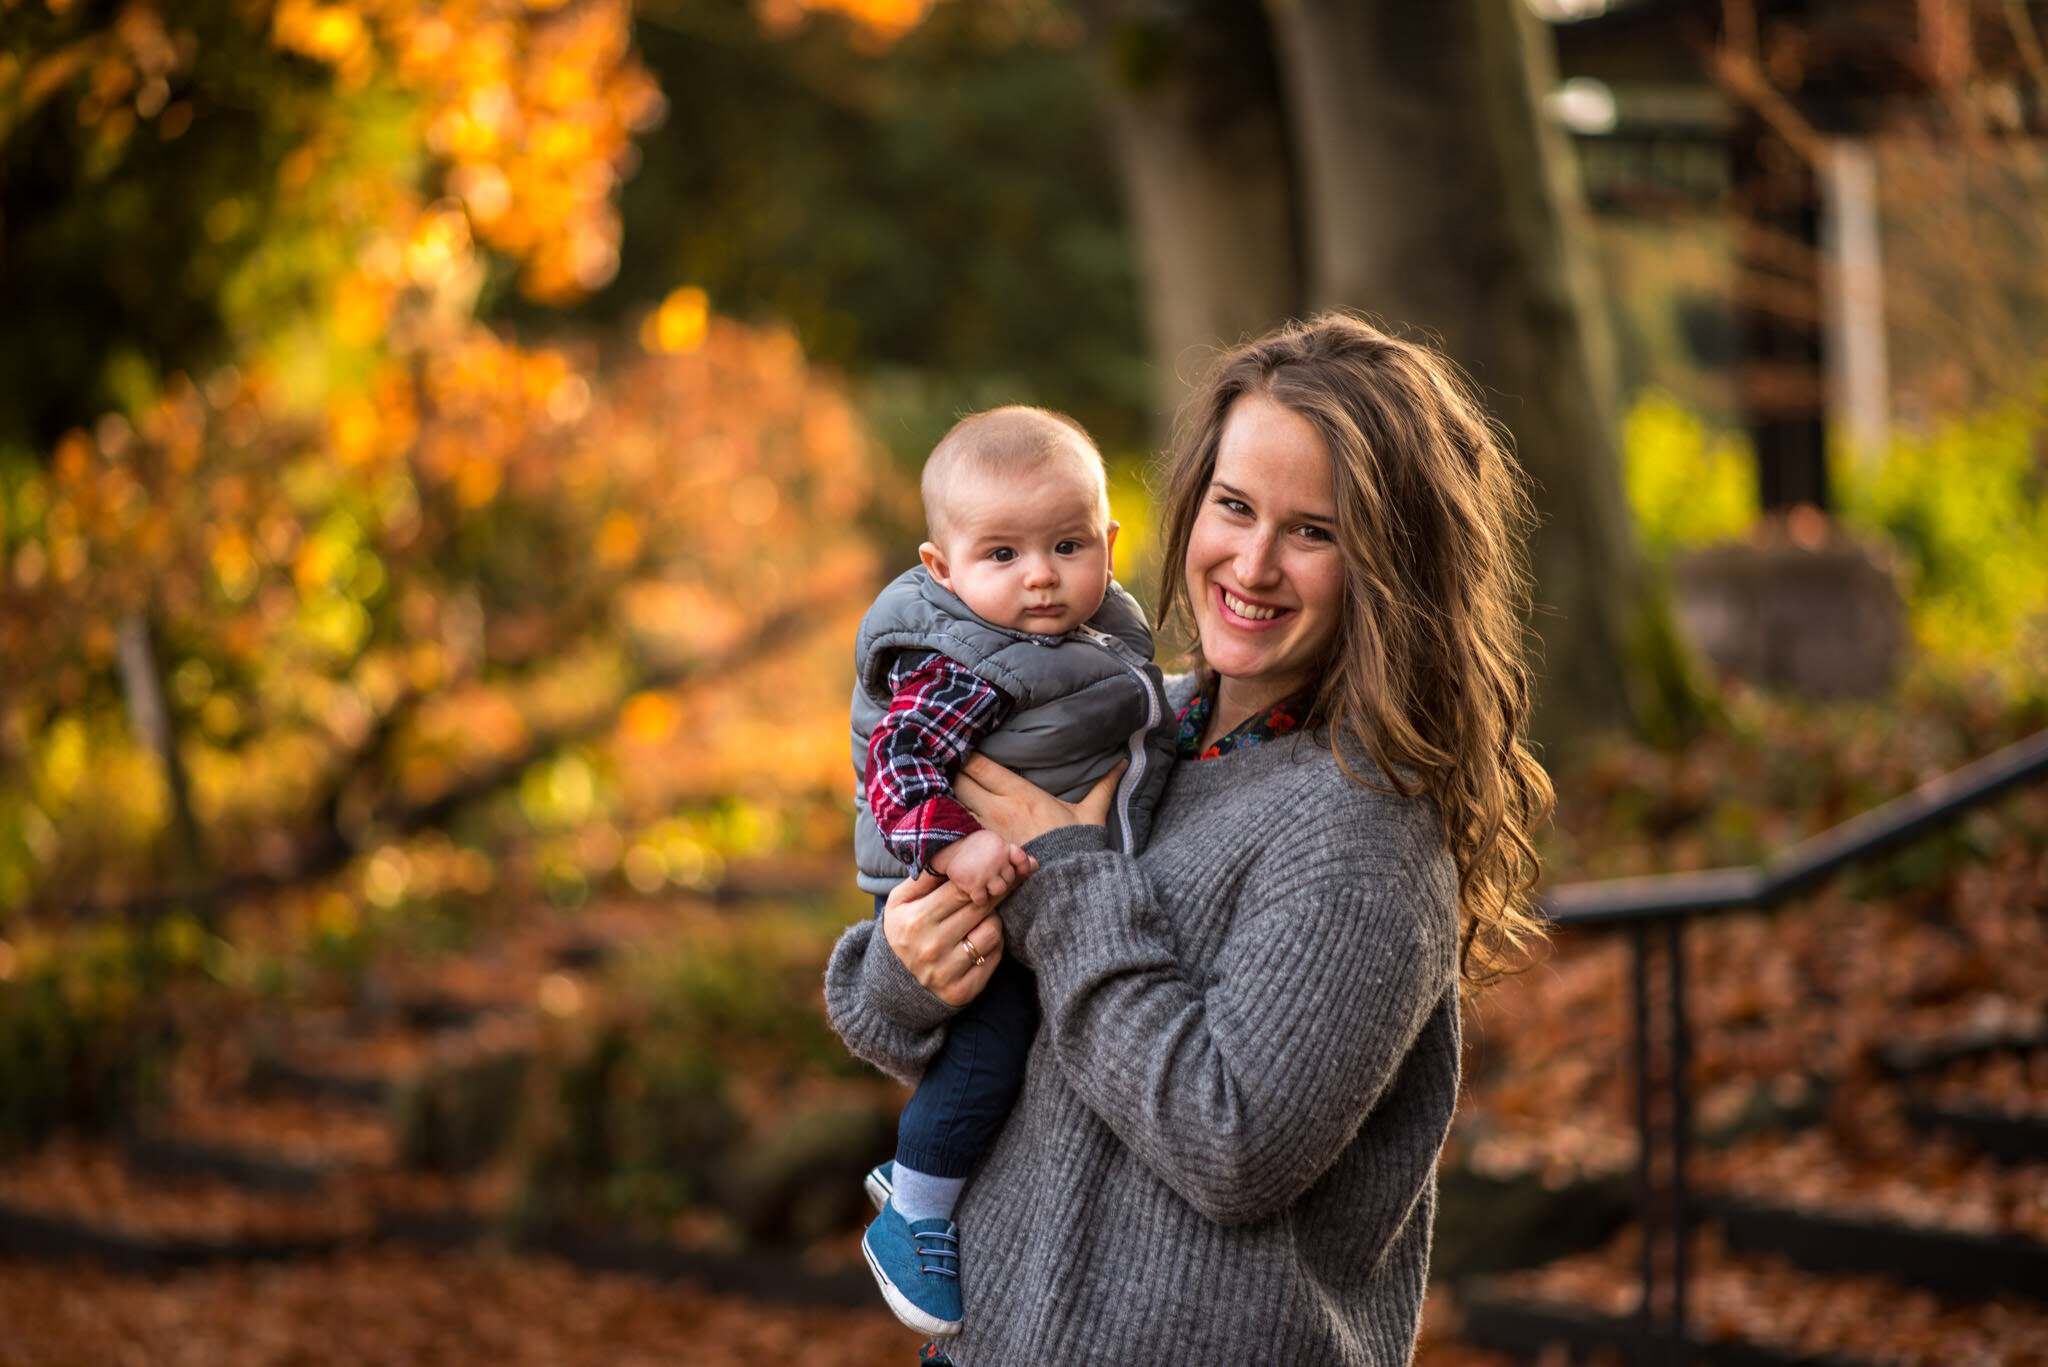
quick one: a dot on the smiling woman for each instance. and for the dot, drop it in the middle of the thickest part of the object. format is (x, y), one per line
(1226, 1144)
(1265, 577)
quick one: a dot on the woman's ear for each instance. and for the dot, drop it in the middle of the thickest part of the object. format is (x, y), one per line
(935, 565)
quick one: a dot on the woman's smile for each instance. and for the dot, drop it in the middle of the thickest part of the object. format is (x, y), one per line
(1253, 615)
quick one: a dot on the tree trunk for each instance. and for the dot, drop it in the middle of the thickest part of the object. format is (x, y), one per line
(1196, 121)
(149, 716)
(1436, 197)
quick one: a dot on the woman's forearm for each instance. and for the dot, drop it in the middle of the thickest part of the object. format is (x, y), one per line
(1238, 1091)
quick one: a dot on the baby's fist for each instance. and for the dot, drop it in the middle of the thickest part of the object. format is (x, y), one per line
(983, 865)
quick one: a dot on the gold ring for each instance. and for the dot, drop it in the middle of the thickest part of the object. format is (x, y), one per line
(979, 958)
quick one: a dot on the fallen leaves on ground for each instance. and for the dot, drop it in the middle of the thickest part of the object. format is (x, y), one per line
(1767, 1301)
(400, 1308)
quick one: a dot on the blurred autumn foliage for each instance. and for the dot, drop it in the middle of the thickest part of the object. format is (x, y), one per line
(324, 604)
(382, 560)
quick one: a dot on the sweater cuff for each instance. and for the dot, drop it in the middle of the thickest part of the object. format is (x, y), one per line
(1064, 842)
(1060, 845)
(895, 994)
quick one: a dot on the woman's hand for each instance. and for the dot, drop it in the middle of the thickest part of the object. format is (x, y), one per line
(947, 942)
(1019, 810)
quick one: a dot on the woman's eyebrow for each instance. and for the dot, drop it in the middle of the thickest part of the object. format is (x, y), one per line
(1323, 519)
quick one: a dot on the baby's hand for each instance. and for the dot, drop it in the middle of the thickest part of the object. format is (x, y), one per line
(984, 866)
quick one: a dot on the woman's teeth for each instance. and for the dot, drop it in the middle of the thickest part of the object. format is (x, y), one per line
(1244, 609)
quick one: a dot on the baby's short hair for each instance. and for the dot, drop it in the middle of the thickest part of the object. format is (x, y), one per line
(1013, 440)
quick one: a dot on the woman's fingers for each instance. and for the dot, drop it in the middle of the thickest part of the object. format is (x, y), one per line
(986, 773)
(1094, 808)
(928, 922)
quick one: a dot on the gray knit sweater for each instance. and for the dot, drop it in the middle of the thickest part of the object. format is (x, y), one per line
(1225, 1150)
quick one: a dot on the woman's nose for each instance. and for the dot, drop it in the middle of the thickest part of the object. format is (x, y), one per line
(1258, 561)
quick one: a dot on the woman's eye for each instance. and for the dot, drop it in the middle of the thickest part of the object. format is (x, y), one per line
(1068, 547)
(1311, 532)
(1002, 555)
(1233, 505)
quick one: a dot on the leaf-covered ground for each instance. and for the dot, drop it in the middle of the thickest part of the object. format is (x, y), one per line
(398, 1308)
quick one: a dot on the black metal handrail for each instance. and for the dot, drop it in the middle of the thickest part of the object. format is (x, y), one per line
(1655, 911)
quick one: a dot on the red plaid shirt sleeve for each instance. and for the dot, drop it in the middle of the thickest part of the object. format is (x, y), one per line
(938, 710)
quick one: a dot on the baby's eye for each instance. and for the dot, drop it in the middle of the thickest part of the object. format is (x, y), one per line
(1068, 548)
(1002, 555)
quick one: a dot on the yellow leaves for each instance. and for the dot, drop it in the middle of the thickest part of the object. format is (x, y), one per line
(440, 243)
(328, 557)
(234, 566)
(331, 34)
(484, 189)
(64, 755)
(618, 540)
(386, 876)
(477, 481)
(679, 324)
(361, 308)
(355, 429)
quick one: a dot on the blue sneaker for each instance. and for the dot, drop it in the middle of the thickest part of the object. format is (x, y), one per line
(881, 1184)
(917, 1265)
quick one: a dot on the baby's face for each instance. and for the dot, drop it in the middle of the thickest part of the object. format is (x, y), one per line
(1031, 553)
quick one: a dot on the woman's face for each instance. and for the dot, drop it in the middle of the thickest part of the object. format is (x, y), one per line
(1264, 572)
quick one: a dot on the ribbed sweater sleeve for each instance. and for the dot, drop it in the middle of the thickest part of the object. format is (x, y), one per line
(886, 1016)
(1241, 1088)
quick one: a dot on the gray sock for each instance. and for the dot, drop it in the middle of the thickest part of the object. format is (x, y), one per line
(921, 1196)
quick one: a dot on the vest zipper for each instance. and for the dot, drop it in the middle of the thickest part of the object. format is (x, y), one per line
(1133, 775)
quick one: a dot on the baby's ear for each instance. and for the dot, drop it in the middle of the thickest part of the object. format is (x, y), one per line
(935, 565)
(1109, 548)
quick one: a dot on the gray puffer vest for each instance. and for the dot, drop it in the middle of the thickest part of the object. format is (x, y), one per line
(1079, 703)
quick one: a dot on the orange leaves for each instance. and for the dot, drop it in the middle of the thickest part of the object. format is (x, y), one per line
(618, 540)
(679, 324)
(534, 108)
(333, 34)
(884, 21)
(468, 560)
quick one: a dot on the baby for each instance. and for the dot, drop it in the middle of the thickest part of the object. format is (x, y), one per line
(1010, 638)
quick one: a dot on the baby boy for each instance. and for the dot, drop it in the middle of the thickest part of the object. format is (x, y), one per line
(1012, 639)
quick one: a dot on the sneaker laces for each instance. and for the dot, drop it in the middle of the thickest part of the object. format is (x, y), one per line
(952, 1253)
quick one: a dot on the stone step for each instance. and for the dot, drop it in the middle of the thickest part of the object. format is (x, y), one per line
(1953, 1263)
(1537, 1331)
(2005, 1138)
(91, 1186)
(178, 1159)
(270, 1075)
(1746, 1309)
(1880, 1172)
(43, 1237)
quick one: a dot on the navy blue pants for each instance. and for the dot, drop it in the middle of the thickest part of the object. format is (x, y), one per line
(968, 1089)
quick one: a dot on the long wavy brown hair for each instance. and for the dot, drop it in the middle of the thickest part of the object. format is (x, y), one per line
(1427, 672)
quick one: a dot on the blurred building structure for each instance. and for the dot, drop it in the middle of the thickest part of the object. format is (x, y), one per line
(1768, 109)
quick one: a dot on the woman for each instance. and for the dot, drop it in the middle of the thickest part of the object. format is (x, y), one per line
(1226, 1145)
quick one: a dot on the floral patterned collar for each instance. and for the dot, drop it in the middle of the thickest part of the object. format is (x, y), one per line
(1283, 717)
